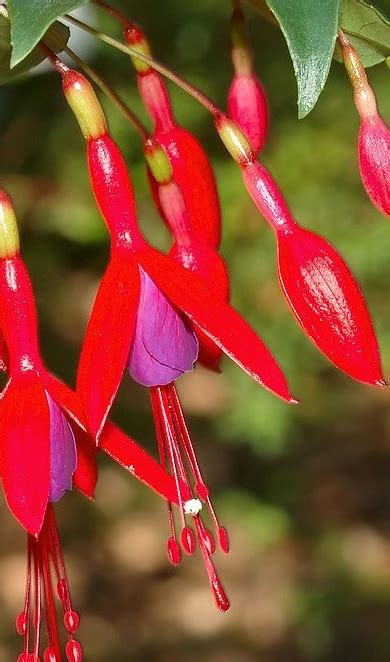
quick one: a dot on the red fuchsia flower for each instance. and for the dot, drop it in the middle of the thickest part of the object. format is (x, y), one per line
(193, 253)
(374, 135)
(150, 303)
(190, 166)
(247, 102)
(45, 453)
(319, 288)
(38, 453)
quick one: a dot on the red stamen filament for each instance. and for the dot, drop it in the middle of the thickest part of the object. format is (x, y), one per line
(178, 456)
(44, 558)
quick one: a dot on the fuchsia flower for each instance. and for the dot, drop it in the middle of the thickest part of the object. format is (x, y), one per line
(38, 452)
(374, 135)
(190, 166)
(150, 303)
(247, 102)
(190, 251)
(45, 452)
(319, 288)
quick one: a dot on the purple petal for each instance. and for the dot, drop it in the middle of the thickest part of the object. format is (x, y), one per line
(63, 455)
(164, 346)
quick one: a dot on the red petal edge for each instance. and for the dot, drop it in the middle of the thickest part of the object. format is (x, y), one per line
(218, 320)
(25, 449)
(107, 340)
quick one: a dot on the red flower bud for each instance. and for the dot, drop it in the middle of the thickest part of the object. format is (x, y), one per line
(247, 105)
(193, 174)
(327, 302)
(374, 161)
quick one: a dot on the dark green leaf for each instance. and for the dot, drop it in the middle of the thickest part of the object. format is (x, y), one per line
(30, 19)
(56, 38)
(310, 29)
(367, 29)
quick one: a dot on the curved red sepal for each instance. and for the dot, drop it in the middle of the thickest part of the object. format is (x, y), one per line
(217, 319)
(85, 475)
(193, 175)
(25, 449)
(107, 340)
(328, 303)
(210, 268)
(117, 444)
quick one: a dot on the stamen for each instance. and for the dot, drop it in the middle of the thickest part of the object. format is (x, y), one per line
(172, 439)
(44, 557)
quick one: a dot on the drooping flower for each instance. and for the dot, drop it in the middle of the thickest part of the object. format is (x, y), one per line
(45, 450)
(318, 286)
(374, 135)
(247, 102)
(102, 358)
(150, 303)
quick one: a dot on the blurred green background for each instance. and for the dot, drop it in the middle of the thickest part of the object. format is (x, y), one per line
(304, 491)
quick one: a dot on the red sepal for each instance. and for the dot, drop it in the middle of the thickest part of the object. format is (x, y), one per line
(25, 449)
(85, 475)
(210, 268)
(4, 356)
(193, 174)
(117, 444)
(327, 302)
(217, 319)
(107, 340)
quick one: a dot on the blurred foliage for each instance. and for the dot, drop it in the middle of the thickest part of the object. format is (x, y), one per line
(303, 490)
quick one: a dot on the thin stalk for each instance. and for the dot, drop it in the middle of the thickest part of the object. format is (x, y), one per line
(110, 93)
(112, 11)
(184, 85)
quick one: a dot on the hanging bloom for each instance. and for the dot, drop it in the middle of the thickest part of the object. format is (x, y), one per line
(247, 102)
(151, 304)
(191, 252)
(319, 288)
(374, 135)
(103, 359)
(190, 166)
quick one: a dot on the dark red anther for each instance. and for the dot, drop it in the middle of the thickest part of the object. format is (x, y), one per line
(50, 655)
(71, 620)
(188, 540)
(173, 551)
(223, 539)
(202, 491)
(21, 621)
(74, 651)
(62, 590)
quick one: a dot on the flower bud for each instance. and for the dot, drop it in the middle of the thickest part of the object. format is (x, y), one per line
(247, 105)
(328, 304)
(374, 161)
(135, 38)
(9, 235)
(83, 101)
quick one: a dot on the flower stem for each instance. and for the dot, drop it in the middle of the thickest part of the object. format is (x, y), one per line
(184, 85)
(110, 93)
(115, 13)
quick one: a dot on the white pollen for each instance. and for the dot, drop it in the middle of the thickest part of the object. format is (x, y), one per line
(192, 507)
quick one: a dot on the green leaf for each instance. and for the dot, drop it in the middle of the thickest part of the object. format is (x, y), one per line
(30, 19)
(310, 29)
(56, 38)
(368, 31)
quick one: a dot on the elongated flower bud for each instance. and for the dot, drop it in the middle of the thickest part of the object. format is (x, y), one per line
(191, 168)
(374, 135)
(9, 235)
(320, 289)
(83, 101)
(328, 303)
(247, 103)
